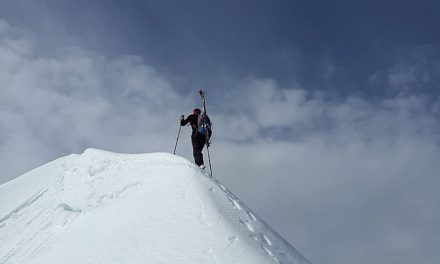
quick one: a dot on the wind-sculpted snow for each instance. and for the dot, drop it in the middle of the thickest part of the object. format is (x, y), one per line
(102, 207)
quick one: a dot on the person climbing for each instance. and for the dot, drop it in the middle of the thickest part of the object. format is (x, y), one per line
(201, 133)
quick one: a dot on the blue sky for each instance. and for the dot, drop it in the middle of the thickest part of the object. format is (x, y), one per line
(325, 112)
(331, 45)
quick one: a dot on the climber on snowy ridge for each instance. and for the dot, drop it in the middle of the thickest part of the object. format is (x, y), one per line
(201, 133)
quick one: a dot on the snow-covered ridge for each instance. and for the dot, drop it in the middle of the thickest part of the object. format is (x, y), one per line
(103, 207)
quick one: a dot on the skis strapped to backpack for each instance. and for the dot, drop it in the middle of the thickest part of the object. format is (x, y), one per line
(204, 123)
(205, 127)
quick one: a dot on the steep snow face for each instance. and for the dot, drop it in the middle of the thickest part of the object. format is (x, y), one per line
(102, 207)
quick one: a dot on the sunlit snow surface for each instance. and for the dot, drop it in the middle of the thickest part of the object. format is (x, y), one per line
(102, 207)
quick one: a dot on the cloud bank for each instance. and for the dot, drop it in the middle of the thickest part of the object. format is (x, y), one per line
(344, 180)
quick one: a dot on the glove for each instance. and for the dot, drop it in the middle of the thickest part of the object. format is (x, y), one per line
(182, 117)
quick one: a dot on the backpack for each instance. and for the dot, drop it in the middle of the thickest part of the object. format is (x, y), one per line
(204, 125)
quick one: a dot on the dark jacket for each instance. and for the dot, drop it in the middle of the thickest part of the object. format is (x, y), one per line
(193, 120)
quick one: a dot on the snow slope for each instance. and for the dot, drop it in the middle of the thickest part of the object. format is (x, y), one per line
(102, 207)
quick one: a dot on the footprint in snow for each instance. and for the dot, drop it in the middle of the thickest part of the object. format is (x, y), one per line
(68, 208)
(223, 187)
(234, 203)
(231, 240)
(247, 225)
(251, 216)
(254, 237)
(267, 250)
(266, 240)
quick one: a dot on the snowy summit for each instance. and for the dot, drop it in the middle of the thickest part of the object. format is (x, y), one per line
(102, 207)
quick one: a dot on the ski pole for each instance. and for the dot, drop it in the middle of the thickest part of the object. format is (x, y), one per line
(177, 139)
(209, 158)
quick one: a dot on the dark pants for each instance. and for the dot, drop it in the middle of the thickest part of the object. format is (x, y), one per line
(198, 142)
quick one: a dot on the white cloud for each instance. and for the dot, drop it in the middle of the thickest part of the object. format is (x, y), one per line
(408, 76)
(61, 104)
(414, 70)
